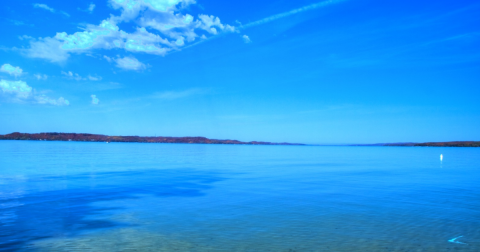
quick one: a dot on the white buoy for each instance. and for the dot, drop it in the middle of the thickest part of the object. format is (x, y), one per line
(441, 157)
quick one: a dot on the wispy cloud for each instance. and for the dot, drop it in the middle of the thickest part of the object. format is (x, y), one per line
(64, 13)
(25, 37)
(107, 58)
(246, 39)
(262, 21)
(76, 76)
(90, 8)
(292, 12)
(465, 37)
(18, 22)
(15, 71)
(169, 95)
(357, 109)
(41, 76)
(50, 9)
(94, 78)
(44, 6)
(328, 108)
(173, 95)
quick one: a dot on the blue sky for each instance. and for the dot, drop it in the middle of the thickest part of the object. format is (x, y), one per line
(351, 71)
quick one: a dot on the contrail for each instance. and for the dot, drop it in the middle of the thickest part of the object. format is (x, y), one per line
(266, 20)
(289, 13)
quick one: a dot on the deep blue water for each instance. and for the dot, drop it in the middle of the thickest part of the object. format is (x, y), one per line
(71, 196)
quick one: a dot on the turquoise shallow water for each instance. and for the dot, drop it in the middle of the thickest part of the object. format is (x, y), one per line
(70, 196)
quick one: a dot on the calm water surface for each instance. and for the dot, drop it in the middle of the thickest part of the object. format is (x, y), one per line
(70, 196)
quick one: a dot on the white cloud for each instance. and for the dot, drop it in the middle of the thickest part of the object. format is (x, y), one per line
(44, 6)
(212, 23)
(131, 8)
(170, 30)
(46, 48)
(41, 76)
(93, 36)
(42, 99)
(129, 63)
(180, 41)
(73, 76)
(15, 71)
(19, 91)
(108, 36)
(47, 8)
(76, 76)
(144, 41)
(95, 100)
(246, 39)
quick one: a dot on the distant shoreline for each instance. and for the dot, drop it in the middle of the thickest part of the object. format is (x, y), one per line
(83, 137)
(428, 144)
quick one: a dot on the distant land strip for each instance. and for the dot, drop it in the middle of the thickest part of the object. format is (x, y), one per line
(53, 136)
(429, 144)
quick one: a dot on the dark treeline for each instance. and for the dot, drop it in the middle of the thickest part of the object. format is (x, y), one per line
(137, 139)
(432, 144)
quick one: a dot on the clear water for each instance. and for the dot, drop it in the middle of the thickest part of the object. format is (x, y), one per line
(69, 196)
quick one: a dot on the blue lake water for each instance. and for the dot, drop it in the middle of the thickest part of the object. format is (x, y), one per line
(73, 196)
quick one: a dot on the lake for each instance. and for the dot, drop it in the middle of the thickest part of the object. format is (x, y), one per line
(78, 196)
